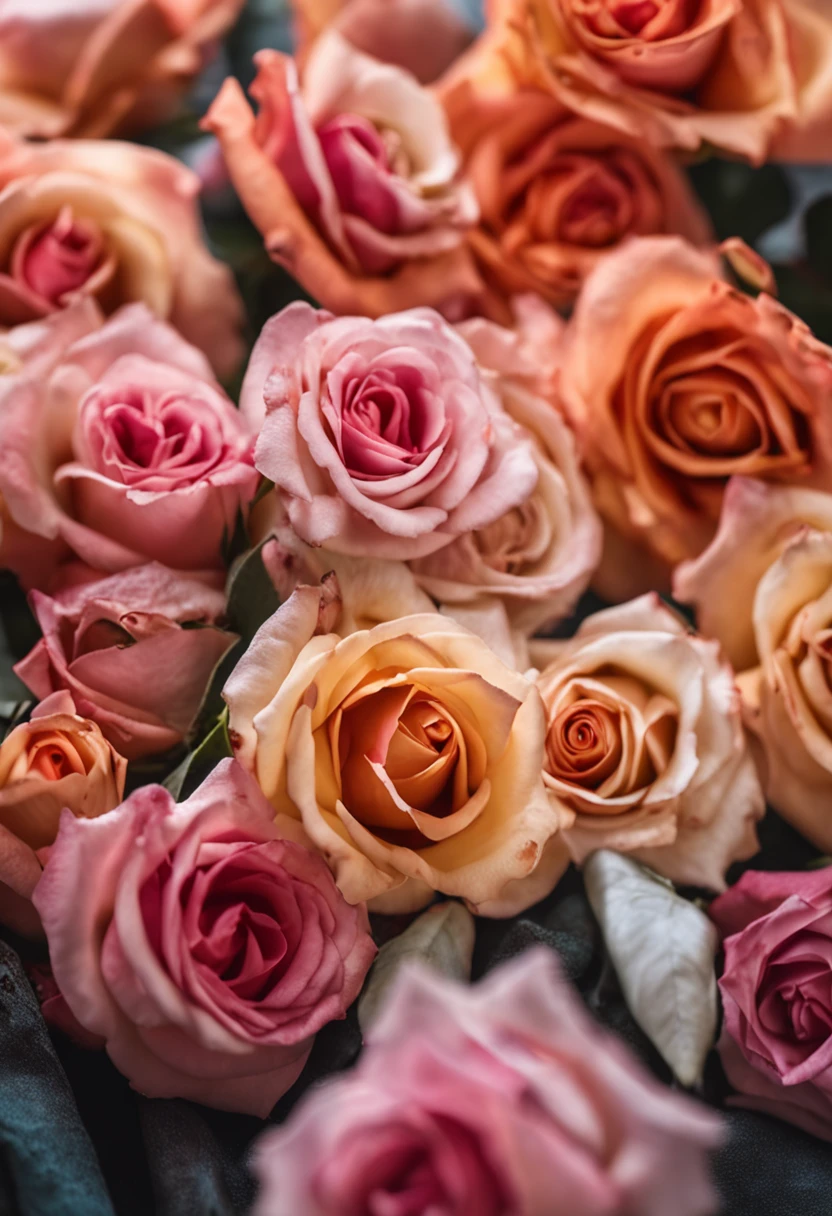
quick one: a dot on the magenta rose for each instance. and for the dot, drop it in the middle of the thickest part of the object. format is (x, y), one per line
(135, 650)
(499, 1100)
(776, 1043)
(126, 449)
(381, 437)
(211, 945)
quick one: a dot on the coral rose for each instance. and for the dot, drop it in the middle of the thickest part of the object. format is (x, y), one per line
(126, 451)
(55, 760)
(645, 746)
(776, 1044)
(135, 650)
(352, 179)
(537, 558)
(411, 754)
(503, 1099)
(210, 947)
(86, 67)
(737, 74)
(118, 223)
(557, 191)
(381, 437)
(698, 382)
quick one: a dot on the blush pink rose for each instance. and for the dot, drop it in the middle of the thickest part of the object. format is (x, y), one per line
(86, 67)
(210, 947)
(351, 176)
(116, 222)
(126, 450)
(776, 1044)
(503, 1099)
(382, 437)
(135, 650)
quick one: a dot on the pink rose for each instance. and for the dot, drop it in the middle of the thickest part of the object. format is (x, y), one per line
(776, 1044)
(381, 436)
(210, 947)
(118, 223)
(85, 67)
(121, 648)
(499, 1100)
(126, 450)
(352, 179)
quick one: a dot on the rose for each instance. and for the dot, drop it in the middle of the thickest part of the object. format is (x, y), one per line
(135, 650)
(57, 759)
(352, 179)
(411, 754)
(645, 746)
(503, 1099)
(698, 382)
(557, 191)
(423, 36)
(127, 450)
(381, 437)
(776, 1043)
(537, 558)
(210, 947)
(85, 67)
(116, 222)
(740, 74)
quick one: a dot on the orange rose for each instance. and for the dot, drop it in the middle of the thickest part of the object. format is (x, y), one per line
(56, 760)
(557, 192)
(695, 382)
(733, 73)
(88, 67)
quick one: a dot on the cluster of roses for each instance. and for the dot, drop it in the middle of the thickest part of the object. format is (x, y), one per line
(431, 474)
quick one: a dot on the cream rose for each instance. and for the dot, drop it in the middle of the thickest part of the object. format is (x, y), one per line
(645, 746)
(412, 755)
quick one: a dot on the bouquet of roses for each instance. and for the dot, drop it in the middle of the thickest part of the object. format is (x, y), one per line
(416, 546)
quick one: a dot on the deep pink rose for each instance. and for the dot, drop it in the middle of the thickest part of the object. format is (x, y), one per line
(776, 1044)
(121, 648)
(381, 437)
(125, 449)
(211, 945)
(499, 1100)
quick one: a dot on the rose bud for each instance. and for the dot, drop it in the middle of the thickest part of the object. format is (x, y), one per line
(501, 1099)
(126, 451)
(645, 745)
(410, 753)
(120, 224)
(135, 650)
(698, 382)
(739, 76)
(55, 760)
(211, 947)
(776, 1043)
(352, 179)
(87, 67)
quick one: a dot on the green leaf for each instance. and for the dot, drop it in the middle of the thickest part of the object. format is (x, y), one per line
(250, 593)
(196, 766)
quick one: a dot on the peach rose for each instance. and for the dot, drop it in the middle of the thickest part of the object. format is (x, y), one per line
(697, 382)
(118, 223)
(732, 73)
(135, 650)
(352, 179)
(126, 450)
(645, 746)
(55, 760)
(537, 558)
(381, 437)
(557, 191)
(411, 754)
(87, 67)
(423, 36)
